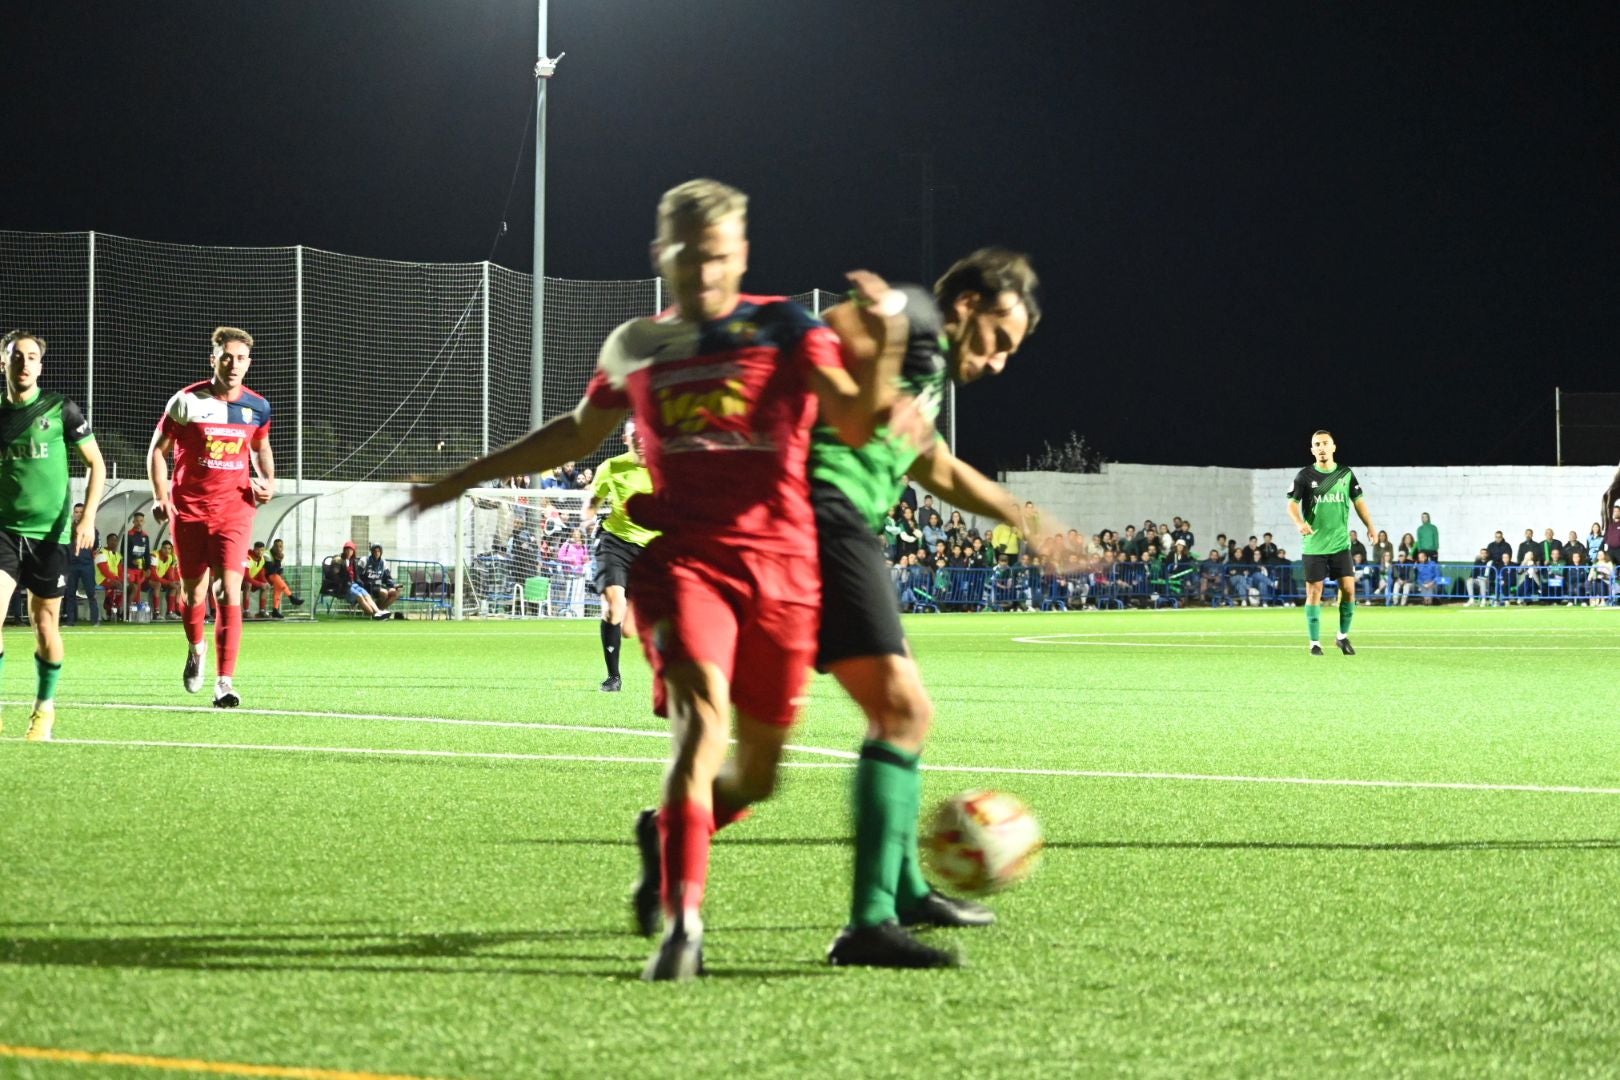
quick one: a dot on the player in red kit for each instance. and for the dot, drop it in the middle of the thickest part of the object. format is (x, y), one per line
(213, 429)
(724, 389)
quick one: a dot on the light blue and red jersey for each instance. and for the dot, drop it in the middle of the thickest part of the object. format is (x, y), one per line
(214, 439)
(724, 409)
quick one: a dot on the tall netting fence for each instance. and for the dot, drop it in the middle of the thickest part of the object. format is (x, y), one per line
(375, 370)
(1589, 428)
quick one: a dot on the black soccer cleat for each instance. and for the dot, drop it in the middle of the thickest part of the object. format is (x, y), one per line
(612, 684)
(679, 957)
(275, 613)
(1345, 647)
(1316, 650)
(886, 945)
(644, 900)
(296, 601)
(937, 909)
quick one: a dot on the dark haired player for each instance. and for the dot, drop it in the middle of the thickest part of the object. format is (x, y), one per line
(213, 429)
(618, 544)
(977, 316)
(1319, 504)
(36, 509)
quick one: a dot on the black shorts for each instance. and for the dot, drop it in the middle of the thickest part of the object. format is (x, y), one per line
(613, 559)
(1336, 566)
(40, 566)
(860, 614)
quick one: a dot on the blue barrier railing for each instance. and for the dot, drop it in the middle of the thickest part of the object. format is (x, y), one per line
(1135, 584)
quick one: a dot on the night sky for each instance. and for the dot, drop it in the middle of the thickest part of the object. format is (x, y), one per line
(1397, 220)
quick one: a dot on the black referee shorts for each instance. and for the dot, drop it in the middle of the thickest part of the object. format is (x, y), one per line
(613, 559)
(860, 614)
(1336, 566)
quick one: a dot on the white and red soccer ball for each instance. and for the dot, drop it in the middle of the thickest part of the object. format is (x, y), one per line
(982, 842)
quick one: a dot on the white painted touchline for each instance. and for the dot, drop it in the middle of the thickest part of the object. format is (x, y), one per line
(991, 770)
(527, 725)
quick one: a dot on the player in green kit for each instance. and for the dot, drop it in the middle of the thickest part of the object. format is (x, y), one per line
(617, 546)
(1319, 504)
(36, 508)
(978, 315)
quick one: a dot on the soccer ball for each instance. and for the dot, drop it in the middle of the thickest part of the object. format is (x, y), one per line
(982, 842)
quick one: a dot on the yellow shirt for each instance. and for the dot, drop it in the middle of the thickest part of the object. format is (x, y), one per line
(616, 481)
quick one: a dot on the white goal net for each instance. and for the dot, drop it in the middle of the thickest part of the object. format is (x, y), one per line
(525, 552)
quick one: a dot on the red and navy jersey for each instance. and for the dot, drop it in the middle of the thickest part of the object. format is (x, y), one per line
(214, 438)
(724, 409)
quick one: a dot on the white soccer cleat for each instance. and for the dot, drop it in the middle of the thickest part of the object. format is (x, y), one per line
(225, 696)
(193, 674)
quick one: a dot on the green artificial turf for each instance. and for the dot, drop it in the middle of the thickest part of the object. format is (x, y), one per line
(458, 915)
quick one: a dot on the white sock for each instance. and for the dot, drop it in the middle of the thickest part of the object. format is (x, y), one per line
(1316, 644)
(1340, 637)
(201, 647)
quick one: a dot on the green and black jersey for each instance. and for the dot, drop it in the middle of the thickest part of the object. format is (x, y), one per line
(35, 499)
(1325, 497)
(873, 476)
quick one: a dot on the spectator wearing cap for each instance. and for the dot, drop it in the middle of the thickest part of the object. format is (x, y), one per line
(340, 579)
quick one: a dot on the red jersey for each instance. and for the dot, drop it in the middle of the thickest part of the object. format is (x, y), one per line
(724, 409)
(213, 441)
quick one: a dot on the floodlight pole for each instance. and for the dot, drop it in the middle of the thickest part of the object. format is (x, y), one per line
(544, 69)
(1558, 426)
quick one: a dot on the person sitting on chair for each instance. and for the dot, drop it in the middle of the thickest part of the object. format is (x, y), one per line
(340, 578)
(378, 578)
(110, 575)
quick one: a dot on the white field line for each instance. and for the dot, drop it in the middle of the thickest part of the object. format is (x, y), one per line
(1110, 642)
(589, 729)
(982, 770)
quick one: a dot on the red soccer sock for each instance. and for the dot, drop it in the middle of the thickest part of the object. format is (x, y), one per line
(194, 614)
(684, 830)
(227, 636)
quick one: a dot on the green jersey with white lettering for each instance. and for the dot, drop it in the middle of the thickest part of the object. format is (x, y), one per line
(873, 476)
(1325, 497)
(35, 500)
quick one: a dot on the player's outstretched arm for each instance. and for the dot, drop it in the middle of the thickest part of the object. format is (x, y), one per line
(84, 537)
(1366, 518)
(965, 487)
(157, 471)
(562, 439)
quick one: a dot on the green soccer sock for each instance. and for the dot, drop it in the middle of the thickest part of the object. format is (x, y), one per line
(913, 886)
(886, 800)
(1347, 611)
(1313, 620)
(49, 675)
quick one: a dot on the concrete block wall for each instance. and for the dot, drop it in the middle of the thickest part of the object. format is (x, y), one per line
(1466, 502)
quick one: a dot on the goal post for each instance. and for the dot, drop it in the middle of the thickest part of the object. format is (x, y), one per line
(525, 552)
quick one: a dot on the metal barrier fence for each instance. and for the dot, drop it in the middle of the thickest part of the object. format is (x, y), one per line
(1136, 584)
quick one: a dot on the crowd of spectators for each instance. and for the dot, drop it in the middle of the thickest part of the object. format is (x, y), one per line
(1163, 563)
(539, 537)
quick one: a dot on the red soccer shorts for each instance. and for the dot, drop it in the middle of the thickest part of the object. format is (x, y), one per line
(203, 546)
(752, 614)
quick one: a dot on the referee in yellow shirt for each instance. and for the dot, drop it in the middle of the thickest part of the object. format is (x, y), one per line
(618, 543)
